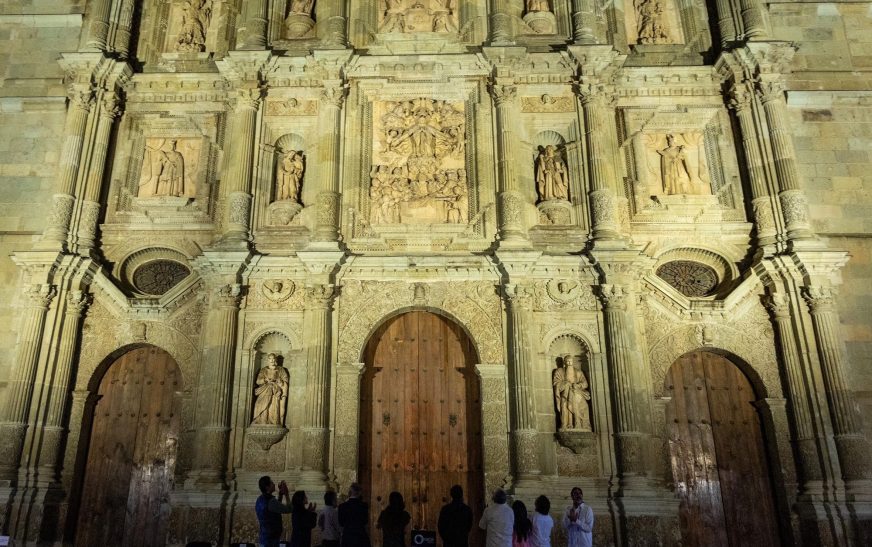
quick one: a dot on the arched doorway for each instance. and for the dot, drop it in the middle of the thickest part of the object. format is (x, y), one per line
(420, 417)
(132, 452)
(718, 454)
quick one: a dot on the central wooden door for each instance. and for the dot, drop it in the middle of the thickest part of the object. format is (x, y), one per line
(420, 418)
(718, 456)
(132, 452)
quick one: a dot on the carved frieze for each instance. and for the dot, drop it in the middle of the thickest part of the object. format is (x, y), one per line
(291, 107)
(548, 103)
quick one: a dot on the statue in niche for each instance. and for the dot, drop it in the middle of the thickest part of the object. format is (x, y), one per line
(674, 169)
(271, 393)
(403, 16)
(571, 394)
(651, 22)
(164, 171)
(537, 5)
(289, 175)
(302, 7)
(551, 175)
(196, 15)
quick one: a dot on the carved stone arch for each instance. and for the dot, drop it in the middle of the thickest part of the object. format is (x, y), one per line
(251, 340)
(557, 332)
(549, 137)
(290, 141)
(758, 364)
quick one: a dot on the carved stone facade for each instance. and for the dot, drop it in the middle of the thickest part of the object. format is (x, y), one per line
(589, 190)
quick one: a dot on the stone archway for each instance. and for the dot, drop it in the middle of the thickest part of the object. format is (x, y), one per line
(420, 416)
(718, 454)
(131, 456)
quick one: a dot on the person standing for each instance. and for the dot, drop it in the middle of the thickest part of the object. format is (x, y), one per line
(269, 511)
(522, 527)
(393, 521)
(578, 521)
(542, 523)
(498, 521)
(303, 519)
(455, 520)
(354, 519)
(328, 521)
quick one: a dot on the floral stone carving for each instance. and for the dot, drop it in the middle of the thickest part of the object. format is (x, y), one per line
(689, 278)
(159, 276)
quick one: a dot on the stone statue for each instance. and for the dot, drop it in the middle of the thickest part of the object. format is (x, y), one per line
(394, 16)
(674, 168)
(196, 15)
(302, 7)
(271, 393)
(551, 175)
(537, 5)
(572, 393)
(165, 173)
(652, 29)
(289, 175)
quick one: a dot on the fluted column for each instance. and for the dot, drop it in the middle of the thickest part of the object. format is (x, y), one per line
(726, 25)
(238, 177)
(255, 13)
(804, 430)
(216, 373)
(851, 443)
(794, 203)
(503, 20)
(511, 200)
(332, 24)
(123, 29)
(53, 430)
(13, 421)
(317, 321)
(585, 24)
(742, 103)
(330, 123)
(96, 24)
(627, 377)
(752, 19)
(523, 405)
(55, 235)
(87, 229)
(599, 128)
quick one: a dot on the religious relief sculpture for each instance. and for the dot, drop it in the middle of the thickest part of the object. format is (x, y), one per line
(168, 168)
(299, 21)
(195, 18)
(676, 164)
(418, 172)
(652, 29)
(552, 176)
(271, 393)
(572, 396)
(289, 175)
(406, 16)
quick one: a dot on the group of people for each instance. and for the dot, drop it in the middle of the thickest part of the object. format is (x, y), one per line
(346, 525)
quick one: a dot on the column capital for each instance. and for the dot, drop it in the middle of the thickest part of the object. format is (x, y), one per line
(334, 95)
(319, 296)
(819, 299)
(740, 96)
(111, 104)
(503, 94)
(81, 96)
(39, 295)
(614, 297)
(594, 91)
(778, 305)
(77, 302)
(247, 98)
(227, 296)
(770, 90)
(518, 295)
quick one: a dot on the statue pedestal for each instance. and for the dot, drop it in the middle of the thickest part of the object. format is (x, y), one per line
(265, 436)
(162, 203)
(580, 442)
(282, 213)
(555, 212)
(298, 25)
(542, 22)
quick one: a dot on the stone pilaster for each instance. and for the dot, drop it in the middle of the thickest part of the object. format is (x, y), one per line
(851, 443)
(315, 427)
(330, 122)
(511, 201)
(523, 405)
(13, 421)
(214, 392)
(238, 174)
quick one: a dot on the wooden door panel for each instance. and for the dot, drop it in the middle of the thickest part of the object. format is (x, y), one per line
(717, 456)
(422, 363)
(131, 456)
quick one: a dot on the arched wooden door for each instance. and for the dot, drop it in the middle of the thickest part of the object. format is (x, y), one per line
(718, 457)
(420, 418)
(132, 452)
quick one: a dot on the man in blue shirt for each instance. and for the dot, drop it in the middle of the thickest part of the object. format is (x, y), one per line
(269, 511)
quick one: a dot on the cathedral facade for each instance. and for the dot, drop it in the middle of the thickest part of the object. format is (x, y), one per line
(518, 244)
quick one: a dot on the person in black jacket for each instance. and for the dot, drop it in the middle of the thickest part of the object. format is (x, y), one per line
(393, 521)
(303, 519)
(269, 511)
(455, 520)
(354, 519)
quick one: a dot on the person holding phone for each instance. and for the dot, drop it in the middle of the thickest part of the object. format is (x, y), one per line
(269, 511)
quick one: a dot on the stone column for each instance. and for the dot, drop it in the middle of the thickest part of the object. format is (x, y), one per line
(331, 24)
(330, 122)
(53, 430)
(214, 390)
(511, 200)
(13, 421)
(851, 443)
(627, 379)
(523, 405)
(752, 19)
(87, 229)
(239, 165)
(55, 234)
(503, 20)
(599, 129)
(585, 29)
(315, 431)
(742, 103)
(726, 25)
(97, 24)
(123, 29)
(794, 203)
(804, 434)
(255, 16)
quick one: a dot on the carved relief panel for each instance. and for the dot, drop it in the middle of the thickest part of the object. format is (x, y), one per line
(653, 22)
(414, 16)
(170, 168)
